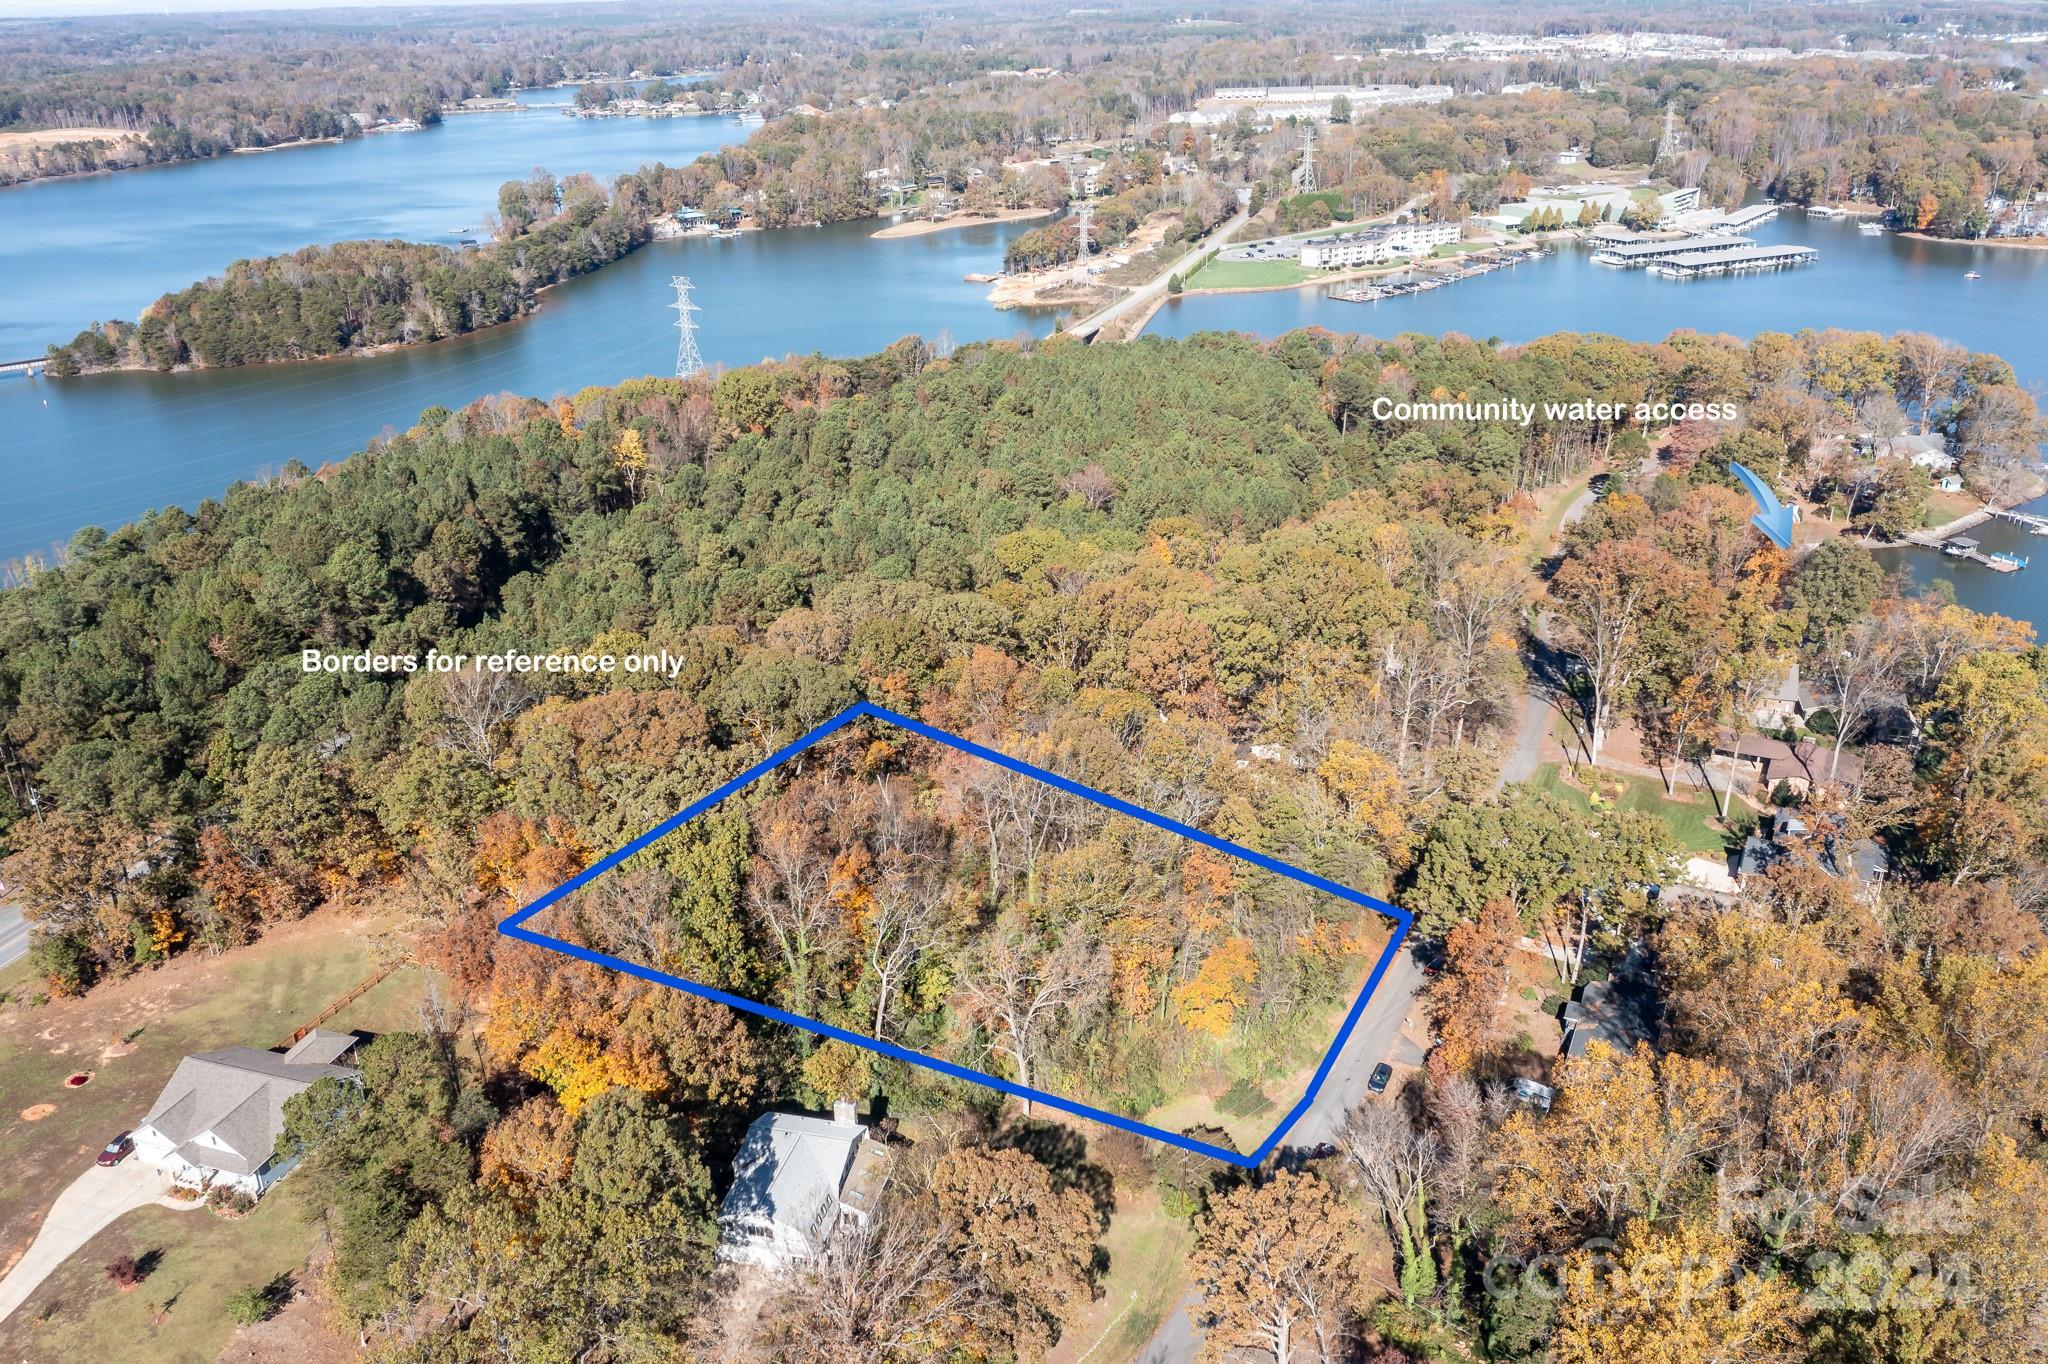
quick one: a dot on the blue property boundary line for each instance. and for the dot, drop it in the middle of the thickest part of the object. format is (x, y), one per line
(514, 927)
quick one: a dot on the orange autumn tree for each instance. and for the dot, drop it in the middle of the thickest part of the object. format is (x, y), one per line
(1209, 1002)
(520, 858)
(1464, 999)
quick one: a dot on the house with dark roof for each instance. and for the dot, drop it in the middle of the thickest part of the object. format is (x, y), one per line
(796, 1181)
(1786, 836)
(218, 1120)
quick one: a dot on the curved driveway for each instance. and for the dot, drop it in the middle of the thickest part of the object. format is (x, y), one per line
(81, 1212)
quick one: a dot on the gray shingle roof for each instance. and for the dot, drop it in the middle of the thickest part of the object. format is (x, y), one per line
(224, 1109)
(789, 1171)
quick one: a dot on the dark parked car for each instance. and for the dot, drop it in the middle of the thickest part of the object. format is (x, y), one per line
(117, 1150)
(1381, 1073)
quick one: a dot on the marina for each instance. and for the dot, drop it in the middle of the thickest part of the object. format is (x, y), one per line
(1734, 261)
(1423, 279)
(175, 439)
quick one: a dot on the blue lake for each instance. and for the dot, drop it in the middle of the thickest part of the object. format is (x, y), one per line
(101, 450)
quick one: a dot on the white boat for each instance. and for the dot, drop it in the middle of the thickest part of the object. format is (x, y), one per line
(1871, 229)
(1971, 274)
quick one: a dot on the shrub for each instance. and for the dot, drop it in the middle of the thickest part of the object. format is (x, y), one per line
(247, 1306)
(229, 1201)
(64, 963)
(124, 1273)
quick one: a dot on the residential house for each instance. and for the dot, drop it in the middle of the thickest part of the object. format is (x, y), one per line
(1787, 836)
(1800, 766)
(218, 1120)
(796, 1181)
(1784, 704)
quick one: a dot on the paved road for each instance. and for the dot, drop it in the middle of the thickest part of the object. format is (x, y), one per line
(80, 1213)
(13, 935)
(1538, 702)
(1377, 1038)
(1143, 295)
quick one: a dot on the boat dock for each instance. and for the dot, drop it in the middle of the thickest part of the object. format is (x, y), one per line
(1632, 254)
(1434, 279)
(1963, 547)
(1735, 260)
(1742, 220)
(2037, 524)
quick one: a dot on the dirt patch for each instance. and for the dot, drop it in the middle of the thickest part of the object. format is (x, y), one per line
(918, 227)
(295, 1335)
(57, 137)
(37, 1112)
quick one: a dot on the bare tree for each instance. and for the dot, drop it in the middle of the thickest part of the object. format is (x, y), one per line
(880, 1294)
(790, 889)
(1394, 1162)
(1860, 664)
(903, 923)
(474, 703)
(1017, 989)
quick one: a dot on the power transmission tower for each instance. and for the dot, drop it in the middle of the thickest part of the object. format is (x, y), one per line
(688, 361)
(1307, 184)
(1077, 189)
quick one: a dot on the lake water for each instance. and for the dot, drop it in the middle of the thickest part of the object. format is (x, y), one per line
(100, 450)
(86, 249)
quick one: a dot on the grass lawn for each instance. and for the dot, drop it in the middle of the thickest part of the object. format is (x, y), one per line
(130, 1034)
(1690, 816)
(1448, 249)
(178, 1313)
(1249, 274)
(1146, 1251)
(15, 981)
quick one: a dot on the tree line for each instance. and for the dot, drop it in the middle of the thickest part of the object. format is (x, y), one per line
(1199, 573)
(355, 296)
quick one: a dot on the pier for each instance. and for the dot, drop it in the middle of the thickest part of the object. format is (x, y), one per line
(1632, 254)
(29, 366)
(2037, 524)
(1735, 260)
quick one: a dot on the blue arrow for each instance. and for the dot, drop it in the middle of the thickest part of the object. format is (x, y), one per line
(1772, 517)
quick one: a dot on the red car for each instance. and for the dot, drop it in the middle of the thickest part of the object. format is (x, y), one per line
(117, 1150)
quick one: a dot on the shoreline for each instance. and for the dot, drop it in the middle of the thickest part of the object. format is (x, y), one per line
(2003, 243)
(1332, 277)
(287, 146)
(924, 227)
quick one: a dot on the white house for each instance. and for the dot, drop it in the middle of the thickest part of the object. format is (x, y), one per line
(217, 1121)
(796, 1180)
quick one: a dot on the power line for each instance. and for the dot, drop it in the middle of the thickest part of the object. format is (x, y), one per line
(688, 361)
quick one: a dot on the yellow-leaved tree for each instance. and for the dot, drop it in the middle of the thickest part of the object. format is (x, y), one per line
(1676, 1295)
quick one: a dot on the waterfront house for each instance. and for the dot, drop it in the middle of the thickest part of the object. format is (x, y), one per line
(217, 1122)
(1374, 245)
(797, 1180)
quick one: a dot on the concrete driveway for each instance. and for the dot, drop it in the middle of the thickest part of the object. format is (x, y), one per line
(81, 1212)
